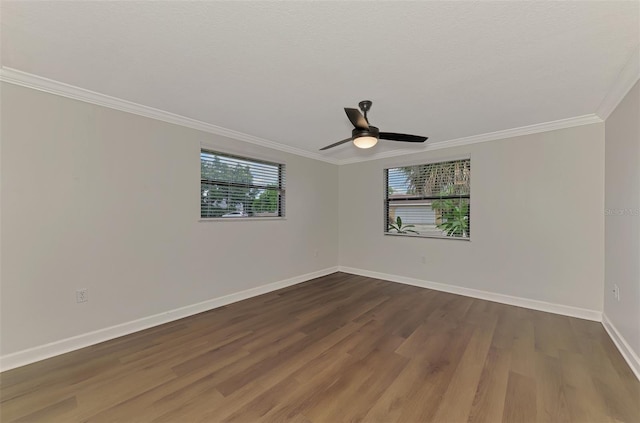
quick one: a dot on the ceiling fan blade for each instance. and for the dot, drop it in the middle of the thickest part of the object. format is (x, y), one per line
(356, 118)
(336, 144)
(392, 136)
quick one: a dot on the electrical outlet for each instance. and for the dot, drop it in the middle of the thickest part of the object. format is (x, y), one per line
(315, 253)
(423, 259)
(616, 292)
(82, 295)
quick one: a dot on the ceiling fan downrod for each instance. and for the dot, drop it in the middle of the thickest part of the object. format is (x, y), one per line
(365, 106)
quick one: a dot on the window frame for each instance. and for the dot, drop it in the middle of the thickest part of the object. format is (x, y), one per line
(281, 207)
(426, 198)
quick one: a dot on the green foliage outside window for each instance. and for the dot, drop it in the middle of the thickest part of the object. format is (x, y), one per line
(444, 186)
(400, 228)
(267, 201)
(231, 184)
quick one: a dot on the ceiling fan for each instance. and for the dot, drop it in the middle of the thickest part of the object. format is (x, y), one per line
(364, 135)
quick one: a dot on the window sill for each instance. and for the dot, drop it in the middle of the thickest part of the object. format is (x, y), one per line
(239, 219)
(428, 236)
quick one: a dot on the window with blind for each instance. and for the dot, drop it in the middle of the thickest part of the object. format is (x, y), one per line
(240, 187)
(429, 200)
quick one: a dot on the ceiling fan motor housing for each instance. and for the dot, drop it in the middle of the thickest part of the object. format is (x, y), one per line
(371, 132)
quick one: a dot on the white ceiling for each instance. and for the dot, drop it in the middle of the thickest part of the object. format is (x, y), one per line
(283, 71)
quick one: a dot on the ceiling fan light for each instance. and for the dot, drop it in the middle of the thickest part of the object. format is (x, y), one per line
(365, 142)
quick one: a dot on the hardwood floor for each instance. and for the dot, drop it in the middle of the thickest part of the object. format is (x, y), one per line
(339, 348)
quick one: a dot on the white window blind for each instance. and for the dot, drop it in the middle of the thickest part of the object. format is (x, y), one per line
(430, 200)
(240, 187)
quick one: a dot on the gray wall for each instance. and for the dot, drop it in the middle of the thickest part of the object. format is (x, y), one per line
(622, 217)
(537, 229)
(105, 200)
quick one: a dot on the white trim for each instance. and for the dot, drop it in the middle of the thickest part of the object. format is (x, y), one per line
(562, 309)
(625, 349)
(41, 352)
(626, 79)
(623, 346)
(490, 136)
(243, 219)
(421, 235)
(24, 79)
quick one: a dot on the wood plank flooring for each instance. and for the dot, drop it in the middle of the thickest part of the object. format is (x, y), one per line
(335, 349)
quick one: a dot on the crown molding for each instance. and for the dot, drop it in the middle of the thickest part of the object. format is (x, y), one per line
(626, 79)
(16, 77)
(490, 136)
(24, 79)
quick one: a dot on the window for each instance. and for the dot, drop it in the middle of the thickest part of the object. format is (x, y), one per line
(238, 187)
(429, 200)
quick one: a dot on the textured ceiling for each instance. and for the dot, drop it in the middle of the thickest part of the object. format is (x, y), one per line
(283, 71)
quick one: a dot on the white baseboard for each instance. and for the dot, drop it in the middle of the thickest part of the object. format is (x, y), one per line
(623, 346)
(41, 352)
(565, 310)
(627, 352)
